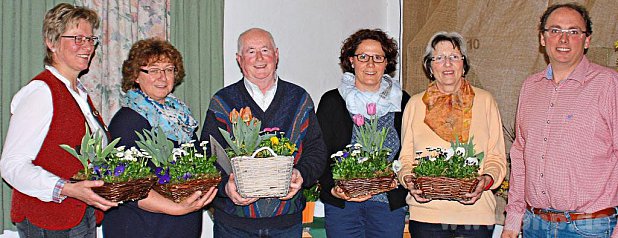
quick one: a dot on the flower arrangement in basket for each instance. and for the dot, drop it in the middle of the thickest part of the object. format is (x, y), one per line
(125, 173)
(447, 174)
(180, 171)
(363, 168)
(262, 161)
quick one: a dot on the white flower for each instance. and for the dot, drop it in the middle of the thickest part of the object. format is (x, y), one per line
(357, 145)
(449, 153)
(199, 155)
(203, 143)
(120, 148)
(472, 161)
(460, 151)
(432, 159)
(338, 154)
(177, 152)
(119, 154)
(348, 146)
(396, 166)
(362, 159)
(129, 158)
(355, 152)
(187, 145)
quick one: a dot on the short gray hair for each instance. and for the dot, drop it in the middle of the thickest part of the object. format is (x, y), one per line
(458, 42)
(239, 42)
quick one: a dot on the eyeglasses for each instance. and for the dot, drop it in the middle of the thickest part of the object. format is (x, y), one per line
(557, 32)
(365, 58)
(156, 71)
(79, 40)
(442, 58)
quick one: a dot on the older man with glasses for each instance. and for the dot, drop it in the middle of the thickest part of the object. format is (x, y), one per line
(564, 159)
(276, 103)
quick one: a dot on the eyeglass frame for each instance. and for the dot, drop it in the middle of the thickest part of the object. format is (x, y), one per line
(562, 31)
(93, 39)
(370, 57)
(451, 58)
(151, 71)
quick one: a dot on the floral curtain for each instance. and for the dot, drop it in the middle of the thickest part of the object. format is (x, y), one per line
(21, 54)
(122, 24)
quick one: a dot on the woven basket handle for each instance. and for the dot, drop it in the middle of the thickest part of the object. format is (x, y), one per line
(263, 148)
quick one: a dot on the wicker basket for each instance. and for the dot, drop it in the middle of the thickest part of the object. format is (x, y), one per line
(443, 188)
(367, 186)
(124, 191)
(178, 192)
(262, 177)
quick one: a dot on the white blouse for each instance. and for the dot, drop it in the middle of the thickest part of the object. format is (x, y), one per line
(31, 115)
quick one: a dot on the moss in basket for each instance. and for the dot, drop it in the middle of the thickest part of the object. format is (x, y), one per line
(107, 163)
(176, 165)
(460, 161)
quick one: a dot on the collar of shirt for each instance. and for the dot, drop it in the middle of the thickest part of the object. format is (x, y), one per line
(262, 99)
(83, 93)
(81, 97)
(578, 74)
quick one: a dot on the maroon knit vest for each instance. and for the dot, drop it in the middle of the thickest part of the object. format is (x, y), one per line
(67, 127)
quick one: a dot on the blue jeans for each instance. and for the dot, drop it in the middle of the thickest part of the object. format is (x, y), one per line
(87, 228)
(534, 226)
(364, 219)
(225, 231)
(431, 230)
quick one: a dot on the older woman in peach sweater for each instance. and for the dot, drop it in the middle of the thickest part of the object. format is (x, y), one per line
(449, 109)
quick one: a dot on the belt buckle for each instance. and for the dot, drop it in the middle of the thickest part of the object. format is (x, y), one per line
(556, 217)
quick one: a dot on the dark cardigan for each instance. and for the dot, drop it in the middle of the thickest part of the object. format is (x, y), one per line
(337, 126)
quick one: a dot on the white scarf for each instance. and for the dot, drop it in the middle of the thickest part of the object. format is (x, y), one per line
(387, 98)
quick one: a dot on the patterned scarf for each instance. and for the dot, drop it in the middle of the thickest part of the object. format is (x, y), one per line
(449, 115)
(173, 116)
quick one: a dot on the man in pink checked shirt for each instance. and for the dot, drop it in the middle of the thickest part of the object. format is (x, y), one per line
(564, 174)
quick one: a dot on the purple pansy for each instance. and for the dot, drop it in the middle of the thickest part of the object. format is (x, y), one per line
(119, 170)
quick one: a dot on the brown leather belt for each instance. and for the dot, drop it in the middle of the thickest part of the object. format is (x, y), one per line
(553, 216)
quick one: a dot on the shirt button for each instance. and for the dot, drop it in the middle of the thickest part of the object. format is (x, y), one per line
(547, 121)
(556, 89)
(551, 104)
(545, 139)
(543, 192)
(541, 175)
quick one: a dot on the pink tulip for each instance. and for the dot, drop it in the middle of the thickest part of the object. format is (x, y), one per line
(371, 109)
(358, 119)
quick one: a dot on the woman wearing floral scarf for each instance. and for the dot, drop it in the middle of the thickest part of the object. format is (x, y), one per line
(367, 58)
(451, 109)
(154, 67)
